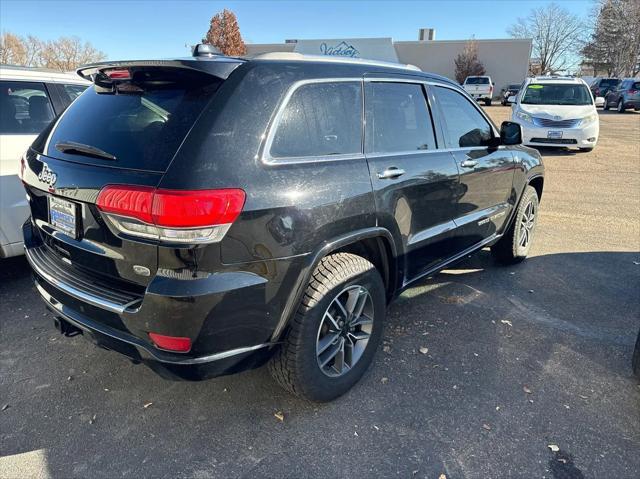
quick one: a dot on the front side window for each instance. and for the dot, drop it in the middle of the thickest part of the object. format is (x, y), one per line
(25, 108)
(320, 119)
(398, 119)
(556, 94)
(464, 125)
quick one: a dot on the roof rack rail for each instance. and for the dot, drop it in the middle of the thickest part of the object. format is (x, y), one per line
(295, 56)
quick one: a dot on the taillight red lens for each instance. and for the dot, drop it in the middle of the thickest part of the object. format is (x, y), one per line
(192, 209)
(632, 92)
(172, 208)
(171, 343)
(131, 201)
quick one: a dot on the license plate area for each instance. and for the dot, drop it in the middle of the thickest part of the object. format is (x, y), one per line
(63, 216)
(554, 134)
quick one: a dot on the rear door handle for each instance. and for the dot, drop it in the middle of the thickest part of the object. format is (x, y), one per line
(390, 173)
(468, 163)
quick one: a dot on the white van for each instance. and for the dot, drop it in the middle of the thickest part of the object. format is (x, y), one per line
(29, 100)
(557, 111)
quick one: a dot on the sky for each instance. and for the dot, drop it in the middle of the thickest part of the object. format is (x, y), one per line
(128, 29)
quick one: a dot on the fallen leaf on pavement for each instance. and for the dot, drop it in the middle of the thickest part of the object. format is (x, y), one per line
(93, 419)
(442, 476)
(424, 350)
(487, 427)
(147, 405)
(526, 389)
(506, 321)
(553, 447)
(384, 380)
(280, 416)
(5, 407)
(386, 349)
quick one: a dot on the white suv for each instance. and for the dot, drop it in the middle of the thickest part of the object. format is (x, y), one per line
(557, 111)
(29, 100)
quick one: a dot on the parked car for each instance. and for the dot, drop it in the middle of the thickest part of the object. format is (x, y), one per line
(601, 86)
(511, 91)
(557, 111)
(29, 100)
(625, 96)
(217, 212)
(480, 88)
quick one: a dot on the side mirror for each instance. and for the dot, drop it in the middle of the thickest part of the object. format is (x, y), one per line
(510, 133)
(511, 99)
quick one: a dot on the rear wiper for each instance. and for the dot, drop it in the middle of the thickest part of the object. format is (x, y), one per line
(72, 147)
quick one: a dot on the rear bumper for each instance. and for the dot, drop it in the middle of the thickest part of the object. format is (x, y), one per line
(225, 316)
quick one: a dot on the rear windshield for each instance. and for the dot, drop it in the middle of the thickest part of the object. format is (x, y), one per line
(609, 82)
(477, 81)
(514, 87)
(557, 94)
(141, 120)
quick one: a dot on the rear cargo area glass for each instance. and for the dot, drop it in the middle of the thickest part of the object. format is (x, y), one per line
(141, 121)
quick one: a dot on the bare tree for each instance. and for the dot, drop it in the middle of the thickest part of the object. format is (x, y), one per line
(68, 53)
(224, 34)
(557, 36)
(12, 49)
(467, 63)
(614, 46)
(64, 54)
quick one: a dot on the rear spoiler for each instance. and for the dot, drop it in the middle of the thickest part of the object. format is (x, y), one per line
(220, 66)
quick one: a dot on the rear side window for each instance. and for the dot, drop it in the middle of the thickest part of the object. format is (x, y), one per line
(140, 121)
(636, 86)
(320, 119)
(398, 118)
(25, 108)
(609, 82)
(464, 125)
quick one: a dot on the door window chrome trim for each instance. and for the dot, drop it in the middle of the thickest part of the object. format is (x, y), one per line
(266, 157)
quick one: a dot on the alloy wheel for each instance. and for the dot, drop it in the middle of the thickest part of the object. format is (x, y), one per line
(344, 331)
(527, 223)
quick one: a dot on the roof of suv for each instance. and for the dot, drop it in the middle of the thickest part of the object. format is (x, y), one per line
(222, 66)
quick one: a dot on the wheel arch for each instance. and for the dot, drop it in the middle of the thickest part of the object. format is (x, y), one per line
(375, 244)
(538, 184)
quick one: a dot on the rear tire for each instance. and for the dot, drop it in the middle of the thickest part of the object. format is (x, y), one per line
(514, 246)
(487, 103)
(605, 107)
(322, 357)
(621, 107)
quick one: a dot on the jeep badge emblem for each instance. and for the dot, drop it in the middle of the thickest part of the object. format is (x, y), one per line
(47, 176)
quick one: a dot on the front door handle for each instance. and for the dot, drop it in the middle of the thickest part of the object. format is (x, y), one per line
(468, 163)
(390, 173)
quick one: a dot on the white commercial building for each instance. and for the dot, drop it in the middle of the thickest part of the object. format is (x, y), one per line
(505, 60)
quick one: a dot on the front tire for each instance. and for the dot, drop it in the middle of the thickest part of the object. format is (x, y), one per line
(621, 107)
(335, 333)
(514, 246)
(606, 105)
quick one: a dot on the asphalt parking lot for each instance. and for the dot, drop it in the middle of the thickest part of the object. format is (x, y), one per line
(519, 358)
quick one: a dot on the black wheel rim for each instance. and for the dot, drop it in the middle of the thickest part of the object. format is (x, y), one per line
(344, 331)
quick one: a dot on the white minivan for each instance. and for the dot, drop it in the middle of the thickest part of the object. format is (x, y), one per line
(29, 100)
(557, 111)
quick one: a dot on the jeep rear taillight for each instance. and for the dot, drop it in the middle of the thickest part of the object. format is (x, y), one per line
(178, 216)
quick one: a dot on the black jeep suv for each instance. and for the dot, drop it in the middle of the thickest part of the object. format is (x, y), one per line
(206, 215)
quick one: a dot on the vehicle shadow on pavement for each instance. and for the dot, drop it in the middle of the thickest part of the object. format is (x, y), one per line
(517, 358)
